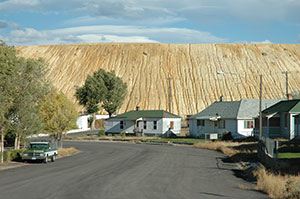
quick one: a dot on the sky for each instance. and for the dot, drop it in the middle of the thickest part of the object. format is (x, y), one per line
(43, 22)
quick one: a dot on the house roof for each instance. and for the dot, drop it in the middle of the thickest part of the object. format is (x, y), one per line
(243, 109)
(250, 107)
(286, 106)
(134, 115)
(223, 109)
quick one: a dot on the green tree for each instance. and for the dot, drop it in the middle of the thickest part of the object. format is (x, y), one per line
(103, 88)
(30, 87)
(92, 93)
(8, 66)
(58, 114)
(116, 92)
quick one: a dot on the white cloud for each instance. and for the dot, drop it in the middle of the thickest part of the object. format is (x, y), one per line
(198, 10)
(254, 42)
(261, 42)
(91, 34)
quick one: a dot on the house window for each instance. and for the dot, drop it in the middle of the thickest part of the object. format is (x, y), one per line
(154, 125)
(248, 124)
(171, 124)
(200, 123)
(285, 120)
(145, 124)
(274, 122)
(222, 124)
(121, 124)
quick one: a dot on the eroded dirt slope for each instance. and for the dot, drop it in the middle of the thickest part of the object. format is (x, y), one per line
(195, 84)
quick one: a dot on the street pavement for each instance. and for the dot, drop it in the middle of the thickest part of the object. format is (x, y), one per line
(130, 171)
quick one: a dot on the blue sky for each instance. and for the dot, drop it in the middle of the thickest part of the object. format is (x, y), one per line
(40, 22)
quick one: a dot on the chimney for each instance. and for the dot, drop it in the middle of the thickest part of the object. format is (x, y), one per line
(221, 98)
(289, 96)
(137, 108)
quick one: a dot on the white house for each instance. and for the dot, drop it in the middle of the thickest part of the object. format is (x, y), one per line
(151, 122)
(236, 117)
(82, 121)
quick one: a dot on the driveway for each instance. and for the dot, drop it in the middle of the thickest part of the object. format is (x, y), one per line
(133, 171)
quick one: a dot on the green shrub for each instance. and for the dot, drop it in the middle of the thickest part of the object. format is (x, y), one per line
(101, 133)
(13, 155)
(123, 134)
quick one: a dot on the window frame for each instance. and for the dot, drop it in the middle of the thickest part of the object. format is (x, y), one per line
(154, 125)
(122, 124)
(222, 124)
(200, 122)
(248, 124)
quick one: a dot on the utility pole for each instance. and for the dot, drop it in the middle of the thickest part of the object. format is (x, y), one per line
(170, 93)
(260, 106)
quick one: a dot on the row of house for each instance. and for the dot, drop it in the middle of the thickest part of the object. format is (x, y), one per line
(281, 118)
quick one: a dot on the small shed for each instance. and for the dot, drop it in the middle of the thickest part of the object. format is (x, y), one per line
(148, 122)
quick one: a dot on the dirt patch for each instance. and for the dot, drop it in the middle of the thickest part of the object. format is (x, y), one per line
(62, 152)
(12, 164)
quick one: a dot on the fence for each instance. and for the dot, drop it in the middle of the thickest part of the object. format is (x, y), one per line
(268, 153)
(269, 146)
(55, 144)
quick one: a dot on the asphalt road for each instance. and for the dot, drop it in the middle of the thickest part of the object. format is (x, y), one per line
(135, 171)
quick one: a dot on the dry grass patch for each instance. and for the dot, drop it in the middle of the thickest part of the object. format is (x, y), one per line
(62, 152)
(236, 151)
(224, 147)
(241, 186)
(278, 186)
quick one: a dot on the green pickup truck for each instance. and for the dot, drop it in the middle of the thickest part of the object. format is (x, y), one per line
(40, 151)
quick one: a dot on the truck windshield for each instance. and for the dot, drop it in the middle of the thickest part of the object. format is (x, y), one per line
(38, 146)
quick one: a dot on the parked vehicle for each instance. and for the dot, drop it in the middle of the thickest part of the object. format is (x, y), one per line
(40, 151)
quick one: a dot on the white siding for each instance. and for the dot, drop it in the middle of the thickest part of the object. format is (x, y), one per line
(166, 125)
(113, 126)
(82, 121)
(242, 131)
(150, 124)
(210, 127)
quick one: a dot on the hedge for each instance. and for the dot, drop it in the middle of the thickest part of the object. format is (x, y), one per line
(12, 155)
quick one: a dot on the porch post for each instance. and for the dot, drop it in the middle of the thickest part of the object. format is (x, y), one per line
(268, 125)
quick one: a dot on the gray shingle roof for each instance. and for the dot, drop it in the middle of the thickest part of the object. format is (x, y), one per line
(223, 109)
(250, 107)
(243, 109)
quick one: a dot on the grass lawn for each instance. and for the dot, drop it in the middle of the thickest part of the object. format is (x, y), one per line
(288, 155)
(186, 140)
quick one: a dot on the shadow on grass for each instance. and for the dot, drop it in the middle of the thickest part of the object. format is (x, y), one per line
(241, 157)
(246, 147)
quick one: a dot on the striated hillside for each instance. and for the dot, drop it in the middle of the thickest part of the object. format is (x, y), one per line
(146, 68)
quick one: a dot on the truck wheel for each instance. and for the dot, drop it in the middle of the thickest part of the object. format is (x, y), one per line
(53, 158)
(46, 160)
